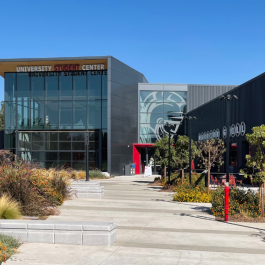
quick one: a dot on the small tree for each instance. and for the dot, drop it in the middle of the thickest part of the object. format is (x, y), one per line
(182, 152)
(256, 164)
(162, 154)
(211, 154)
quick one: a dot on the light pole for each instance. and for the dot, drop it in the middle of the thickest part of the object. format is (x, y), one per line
(168, 125)
(227, 98)
(87, 156)
(189, 118)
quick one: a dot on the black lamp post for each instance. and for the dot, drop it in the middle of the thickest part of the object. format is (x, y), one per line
(87, 156)
(228, 98)
(169, 126)
(189, 118)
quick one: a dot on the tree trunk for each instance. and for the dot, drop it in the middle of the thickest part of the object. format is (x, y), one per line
(182, 175)
(165, 172)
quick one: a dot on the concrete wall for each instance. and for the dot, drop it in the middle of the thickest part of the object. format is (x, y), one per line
(122, 114)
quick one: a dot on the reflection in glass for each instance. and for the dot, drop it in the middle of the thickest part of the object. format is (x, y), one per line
(10, 139)
(65, 117)
(94, 84)
(64, 136)
(65, 146)
(78, 145)
(94, 114)
(65, 86)
(51, 87)
(78, 136)
(38, 146)
(51, 145)
(51, 136)
(51, 115)
(38, 136)
(37, 87)
(79, 114)
(104, 85)
(148, 138)
(10, 85)
(79, 86)
(104, 114)
(23, 90)
(37, 114)
(10, 115)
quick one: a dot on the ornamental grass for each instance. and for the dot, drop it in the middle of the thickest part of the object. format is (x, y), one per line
(9, 208)
(38, 191)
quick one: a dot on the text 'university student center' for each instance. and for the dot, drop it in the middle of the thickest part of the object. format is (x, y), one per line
(52, 105)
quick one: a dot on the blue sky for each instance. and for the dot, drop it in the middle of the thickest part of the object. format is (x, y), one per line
(169, 41)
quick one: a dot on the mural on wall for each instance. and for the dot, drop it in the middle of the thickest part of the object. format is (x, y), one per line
(158, 108)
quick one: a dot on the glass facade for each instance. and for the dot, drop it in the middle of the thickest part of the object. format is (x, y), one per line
(52, 111)
(156, 109)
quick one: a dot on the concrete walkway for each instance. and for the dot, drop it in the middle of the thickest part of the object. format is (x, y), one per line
(151, 229)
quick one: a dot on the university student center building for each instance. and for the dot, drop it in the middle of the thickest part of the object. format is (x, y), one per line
(51, 105)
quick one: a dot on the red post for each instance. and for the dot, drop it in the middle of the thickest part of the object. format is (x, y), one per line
(226, 201)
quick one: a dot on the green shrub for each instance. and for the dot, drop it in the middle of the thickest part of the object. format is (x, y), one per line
(192, 193)
(9, 208)
(240, 202)
(96, 174)
(8, 246)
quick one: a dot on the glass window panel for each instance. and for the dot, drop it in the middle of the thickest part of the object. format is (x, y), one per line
(51, 115)
(65, 146)
(38, 145)
(104, 139)
(37, 87)
(79, 166)
(10, 139)
(152, 107)
(24, 142)
(51, 86)
(51, 145)
(94, 114)
(23, 86)
(10, 86)
(78, 145)
(79, 86)
(38, 136)
(65, 85)
(93, 156)
(10, 115)
(151, 96)
(25, 156)
(148, 128)
(93, 146)
(172, 107)
(38, 156)
(23, 114)
(64, 136)
(66, 108)
(148, 138)
(48, 164)
(51, 155)
(37, 114)
(151, 118)
(79, 156)
(104, 84)
(79, 114)
(93, 136)
(25, 136)
(78, 136)
(94, 84)
(172, 117)
(65, 155)
(104, 114)
(52, 136)
(173, 96)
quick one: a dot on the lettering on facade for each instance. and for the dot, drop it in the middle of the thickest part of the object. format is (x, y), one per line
(213, 134)
(60, 68)
(235, 130)
(34, 68)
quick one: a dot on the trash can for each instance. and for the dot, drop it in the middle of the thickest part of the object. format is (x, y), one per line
(132, 169)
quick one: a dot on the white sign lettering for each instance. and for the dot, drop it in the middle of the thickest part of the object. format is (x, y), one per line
(34, 68)
(93, 67)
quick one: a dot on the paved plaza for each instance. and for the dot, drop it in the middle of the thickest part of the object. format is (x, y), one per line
(151, 229)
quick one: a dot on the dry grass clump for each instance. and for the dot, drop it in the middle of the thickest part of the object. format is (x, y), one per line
(9, 208)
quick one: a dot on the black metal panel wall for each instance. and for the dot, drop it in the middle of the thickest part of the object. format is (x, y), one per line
(249, 108)
(123, 111)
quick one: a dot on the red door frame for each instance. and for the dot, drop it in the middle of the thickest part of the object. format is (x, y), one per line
(137, 155)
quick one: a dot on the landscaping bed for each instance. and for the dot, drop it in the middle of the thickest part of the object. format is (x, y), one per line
(8, 246)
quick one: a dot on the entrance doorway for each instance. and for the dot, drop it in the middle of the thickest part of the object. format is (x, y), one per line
(142, 154)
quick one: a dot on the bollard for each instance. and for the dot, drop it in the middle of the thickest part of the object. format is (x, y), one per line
(226, 201)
